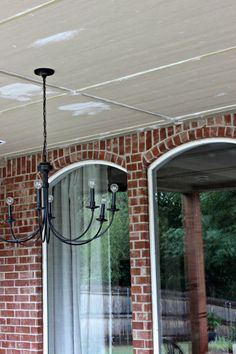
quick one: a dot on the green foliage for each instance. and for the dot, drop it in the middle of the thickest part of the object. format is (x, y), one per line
(108, 256)
(213, 321)
(118, 250)
(169, 210)
(220, 208)
(172, 255)
(221, 344)
(219, 235)
(232, 333)
(219, 230)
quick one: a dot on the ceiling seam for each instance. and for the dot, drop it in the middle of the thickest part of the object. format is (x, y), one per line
(172, 119)
(206, 113)
(30, 103)
(26, 78)
(120, 104)
(159, 68)
(76, 92)
(26, 12)
(127, 77)
(168, 118)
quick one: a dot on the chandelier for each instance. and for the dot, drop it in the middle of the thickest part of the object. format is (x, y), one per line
(45, 226)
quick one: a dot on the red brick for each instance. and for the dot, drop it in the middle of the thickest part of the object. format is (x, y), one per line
(21, 267)
(227, 119)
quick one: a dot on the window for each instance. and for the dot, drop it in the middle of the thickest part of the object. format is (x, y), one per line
(88, 287)
(196, 239)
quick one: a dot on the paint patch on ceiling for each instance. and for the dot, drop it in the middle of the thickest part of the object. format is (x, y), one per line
(90, 108)
(19, 92)
(55, 38)
(220, 94)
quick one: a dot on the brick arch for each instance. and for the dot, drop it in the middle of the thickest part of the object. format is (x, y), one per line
(210, 128)
(83, 155)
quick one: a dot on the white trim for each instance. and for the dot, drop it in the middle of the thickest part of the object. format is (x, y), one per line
(53, 180)
(158, 163)
(153, 261)
(162, 160)
(59, 174)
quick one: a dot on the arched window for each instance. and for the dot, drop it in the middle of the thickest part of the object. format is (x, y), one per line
(88, 287)
(193, 245)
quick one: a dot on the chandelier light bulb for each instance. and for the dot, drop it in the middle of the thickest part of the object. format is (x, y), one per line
(103, 201)
(9, 200)
(50, 198)
(114, 188)
(92, 183)
(38, 183)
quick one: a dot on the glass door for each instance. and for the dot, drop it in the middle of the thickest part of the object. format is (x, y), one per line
(196, 208)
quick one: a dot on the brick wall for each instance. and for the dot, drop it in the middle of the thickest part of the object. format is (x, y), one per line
(21, 275)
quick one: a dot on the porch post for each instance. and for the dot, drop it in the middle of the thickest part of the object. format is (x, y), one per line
(194, 265)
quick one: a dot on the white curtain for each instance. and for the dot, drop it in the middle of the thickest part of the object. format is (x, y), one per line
(77, 323)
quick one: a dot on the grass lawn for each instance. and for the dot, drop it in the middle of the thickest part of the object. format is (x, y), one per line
(185, 347)
(121, 349)
(124, 349)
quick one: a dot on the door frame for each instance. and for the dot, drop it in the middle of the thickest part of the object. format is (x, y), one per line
(153, 228)
(53, 180)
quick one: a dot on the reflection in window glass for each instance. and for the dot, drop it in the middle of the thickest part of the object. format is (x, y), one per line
(218, 232)
(89, 307)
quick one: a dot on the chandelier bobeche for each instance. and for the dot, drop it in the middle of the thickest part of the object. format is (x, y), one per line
(44, 201)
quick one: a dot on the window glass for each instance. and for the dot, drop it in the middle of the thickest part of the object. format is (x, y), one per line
(219, 248)
(89, 308)
(196, 208)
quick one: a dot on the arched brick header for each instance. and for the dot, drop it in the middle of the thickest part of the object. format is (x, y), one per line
(83, 155)
(219, 126)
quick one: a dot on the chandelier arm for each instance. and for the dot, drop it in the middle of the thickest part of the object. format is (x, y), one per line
(32, 240)
(108, 226)
(87, 228)
(77, 237)
(40, 224)
(23, 239)
(74, 241)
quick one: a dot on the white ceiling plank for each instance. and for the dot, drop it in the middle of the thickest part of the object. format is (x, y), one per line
(207, 83)
(15, 8)
(149, 45)
(70, 119)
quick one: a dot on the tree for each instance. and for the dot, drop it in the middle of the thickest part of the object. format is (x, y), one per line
(219, 235)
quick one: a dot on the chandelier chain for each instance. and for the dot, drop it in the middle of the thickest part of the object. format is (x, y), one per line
(44, 121)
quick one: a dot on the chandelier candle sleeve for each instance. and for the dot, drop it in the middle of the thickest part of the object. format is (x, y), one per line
(102, 210)
(92, 193)
(38, 185)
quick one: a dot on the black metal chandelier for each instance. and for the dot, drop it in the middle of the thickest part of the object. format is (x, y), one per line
(45, 226)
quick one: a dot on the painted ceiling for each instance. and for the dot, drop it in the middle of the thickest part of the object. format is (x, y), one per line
(119, 66)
